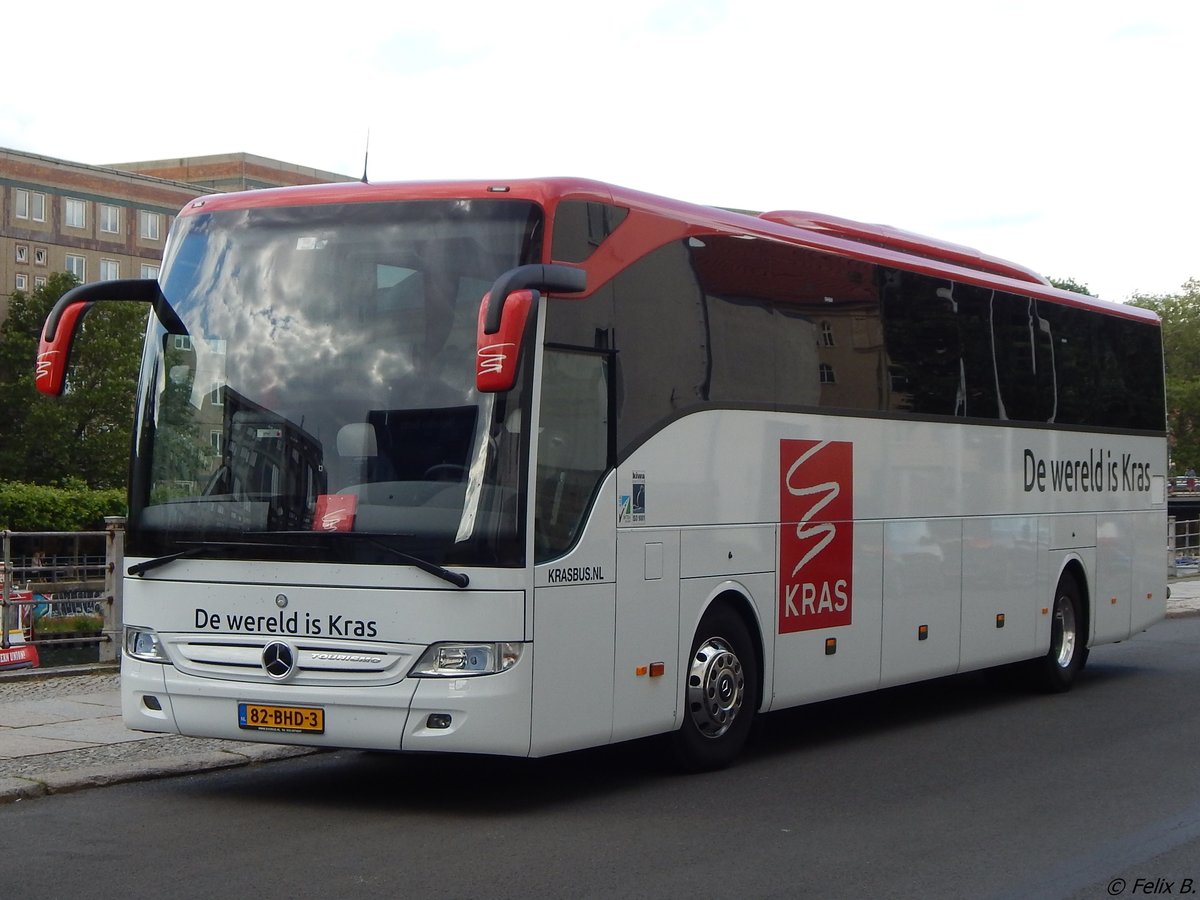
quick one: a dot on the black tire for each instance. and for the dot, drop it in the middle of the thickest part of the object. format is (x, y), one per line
(1055, 672)
(721, 693)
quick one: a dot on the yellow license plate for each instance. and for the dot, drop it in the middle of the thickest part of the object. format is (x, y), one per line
(287, 719)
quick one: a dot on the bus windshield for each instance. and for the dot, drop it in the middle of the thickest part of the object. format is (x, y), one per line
(325, 386)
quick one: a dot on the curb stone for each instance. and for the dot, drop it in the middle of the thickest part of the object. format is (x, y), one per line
(14, 788)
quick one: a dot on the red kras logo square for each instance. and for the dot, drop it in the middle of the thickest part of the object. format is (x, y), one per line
(816, 534)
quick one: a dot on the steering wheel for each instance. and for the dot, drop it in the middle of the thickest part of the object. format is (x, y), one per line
(445, 472)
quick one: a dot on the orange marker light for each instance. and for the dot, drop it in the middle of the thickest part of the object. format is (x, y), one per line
(641, 670)
(657, 670)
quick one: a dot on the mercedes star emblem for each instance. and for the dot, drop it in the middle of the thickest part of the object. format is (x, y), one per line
(278, 660)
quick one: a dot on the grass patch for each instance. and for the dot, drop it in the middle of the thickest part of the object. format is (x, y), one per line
(68, 624)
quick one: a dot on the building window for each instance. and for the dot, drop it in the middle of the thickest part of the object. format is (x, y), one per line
(22, 253)
(216, 396)
(826, 334)
(183, 342)
(74, 213)
(77, 266)
(110, 219)
(22, 282)
(827, 374)
(149, 271)
(29, 205)
(39, 281)
(110, 270)
(216, 440)
(39, 256)
(150, 225)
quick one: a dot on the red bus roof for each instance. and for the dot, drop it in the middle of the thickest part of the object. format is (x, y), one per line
(655, 220)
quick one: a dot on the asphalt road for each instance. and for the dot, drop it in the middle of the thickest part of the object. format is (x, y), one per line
(966, 787)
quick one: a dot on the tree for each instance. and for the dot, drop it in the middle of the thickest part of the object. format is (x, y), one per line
(1180, 314)
(1070, 284)
(85, 434)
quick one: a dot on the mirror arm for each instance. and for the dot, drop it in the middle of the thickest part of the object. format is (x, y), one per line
(562, 279)
(137, 290)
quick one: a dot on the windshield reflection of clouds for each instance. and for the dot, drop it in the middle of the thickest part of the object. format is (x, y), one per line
(293, 340)
(305, 320)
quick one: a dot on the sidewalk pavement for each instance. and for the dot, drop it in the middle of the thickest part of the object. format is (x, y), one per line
(61, 731)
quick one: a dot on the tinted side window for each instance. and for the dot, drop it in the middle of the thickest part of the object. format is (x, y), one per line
(980, 377)
(789, 327)
(920, 328)
(1109, 369)
(573, 447)
(661, 337)
(739, 322)
(1024, 359)
(1130, 374)
(731, 321)
(581, 226)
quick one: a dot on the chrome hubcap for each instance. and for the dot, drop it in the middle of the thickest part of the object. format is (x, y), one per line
(1065, 633)
(716, 687)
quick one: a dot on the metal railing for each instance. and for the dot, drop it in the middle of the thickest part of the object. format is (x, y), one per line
(81, 575)
(1183, 550)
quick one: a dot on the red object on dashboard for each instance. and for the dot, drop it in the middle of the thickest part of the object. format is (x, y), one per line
(335, 512)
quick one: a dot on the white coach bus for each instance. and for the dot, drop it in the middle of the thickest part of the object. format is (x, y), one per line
(519, 468)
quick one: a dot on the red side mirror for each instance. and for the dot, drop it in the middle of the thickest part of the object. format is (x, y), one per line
(497, 355)
(54, 348)
(58, 333)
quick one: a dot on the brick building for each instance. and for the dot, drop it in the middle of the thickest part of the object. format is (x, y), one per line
(103, 222)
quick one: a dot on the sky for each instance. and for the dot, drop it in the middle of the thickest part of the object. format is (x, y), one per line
(1054, 133)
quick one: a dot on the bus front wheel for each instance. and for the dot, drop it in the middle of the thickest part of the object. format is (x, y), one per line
(720, 693)
(1056, 671)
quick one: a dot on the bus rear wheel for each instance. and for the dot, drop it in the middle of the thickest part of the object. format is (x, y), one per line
(720, 693)
(1055, 672)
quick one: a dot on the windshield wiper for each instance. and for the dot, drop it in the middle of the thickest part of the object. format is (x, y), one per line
(458, 579)
(141, 569)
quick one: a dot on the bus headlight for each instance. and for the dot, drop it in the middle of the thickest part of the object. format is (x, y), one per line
(143, 644)
(454, 660)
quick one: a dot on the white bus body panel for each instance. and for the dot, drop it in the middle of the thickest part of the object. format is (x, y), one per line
(999, 579)
(1149, 564)
(355, 645)
(962, 528)
(922, 585)
(574, 615)
(647, 630)
(804, 671)
(573, 672)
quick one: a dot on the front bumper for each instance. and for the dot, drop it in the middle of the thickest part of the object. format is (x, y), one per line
(488, 714)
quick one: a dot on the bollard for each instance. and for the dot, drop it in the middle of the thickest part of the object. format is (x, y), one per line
(1171, 553)
(114, 580)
